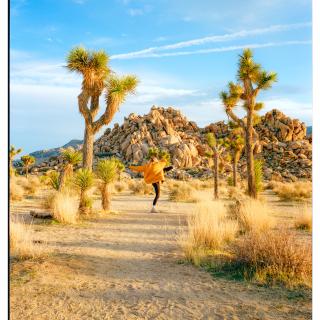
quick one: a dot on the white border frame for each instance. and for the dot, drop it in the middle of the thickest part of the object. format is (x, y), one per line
(4, 159)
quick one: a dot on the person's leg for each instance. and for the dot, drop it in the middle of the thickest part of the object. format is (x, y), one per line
(156, 187)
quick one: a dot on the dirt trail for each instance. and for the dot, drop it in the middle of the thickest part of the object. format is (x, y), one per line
(126, 266)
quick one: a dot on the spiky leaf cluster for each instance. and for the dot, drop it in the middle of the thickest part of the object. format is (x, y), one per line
(83, 179)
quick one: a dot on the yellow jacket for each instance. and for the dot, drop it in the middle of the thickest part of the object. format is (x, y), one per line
(152, 171)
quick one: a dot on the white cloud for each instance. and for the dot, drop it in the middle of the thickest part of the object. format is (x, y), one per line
(135, 12)
(205, 51)
(213, 39)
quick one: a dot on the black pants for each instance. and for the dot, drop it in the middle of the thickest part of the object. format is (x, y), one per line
(156, 186)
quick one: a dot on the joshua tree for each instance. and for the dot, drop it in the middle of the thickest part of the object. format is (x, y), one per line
(27, 162)
(160, 154)
(13, 152)
(107, 172)
(251, 79)
(84, 181)
(235, 142)
(97, 79)
(217, 148)
(71, 157)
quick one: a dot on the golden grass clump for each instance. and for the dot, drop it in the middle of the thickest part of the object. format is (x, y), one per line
(31, 184)
(120, 186)
(182, 192)
(274, 256)
(299, 190)
(140, 187)
(235, 193)
(252, 215)
(303, 220)
(16, 191)
(65, 208)
(48, 200)
(22, 244)
(208, 228)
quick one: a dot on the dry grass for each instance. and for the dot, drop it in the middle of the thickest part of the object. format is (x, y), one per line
(139, 187)
(200, 184)
(274, 256)
(65, 208)
(252, 215)
(208, 229)
(298, 191)
(16, 191)
(22, 243)
(182, 192)
(120, 186)
(303, 220)
(235, 193)
(30, 185)
(48, 200)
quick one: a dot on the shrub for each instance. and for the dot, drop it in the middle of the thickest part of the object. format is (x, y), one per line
(16, 191)
(294, 190)
(32, 184)
(22, 245)
(140, 187)
(65, 208)
(303, 220)
(47, 200)
(208, 229)
(252, 215)
(182, 192)
(274, 256)
(120, 186)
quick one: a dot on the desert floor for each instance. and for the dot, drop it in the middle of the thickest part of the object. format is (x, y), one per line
(127, 265)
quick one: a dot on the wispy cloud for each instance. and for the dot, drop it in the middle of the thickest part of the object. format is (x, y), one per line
(135, 12)
(213, 39)
(206, 51)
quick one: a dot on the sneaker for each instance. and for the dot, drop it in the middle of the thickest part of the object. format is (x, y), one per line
(154, 210)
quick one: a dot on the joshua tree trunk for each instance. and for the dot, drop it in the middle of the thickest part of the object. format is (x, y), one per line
(216, 171)
(249, 153)
(106, 197)
(83, 205)
(67, 171)
(27, 171)
(234, 169)
(88, 148)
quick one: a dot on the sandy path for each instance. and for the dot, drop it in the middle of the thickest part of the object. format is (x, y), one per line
(126, 266)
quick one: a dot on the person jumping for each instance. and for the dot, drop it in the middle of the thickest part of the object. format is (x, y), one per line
(153, 172)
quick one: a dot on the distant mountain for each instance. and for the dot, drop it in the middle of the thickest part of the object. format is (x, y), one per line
(309, 130)
(42, 155)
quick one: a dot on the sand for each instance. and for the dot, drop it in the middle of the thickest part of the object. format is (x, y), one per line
(128, 266)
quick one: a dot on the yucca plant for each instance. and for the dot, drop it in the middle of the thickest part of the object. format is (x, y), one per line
(97, 80)
(235, 143)
(107, 171)
(53, 177)
(251, 80)
(83, 180)
(27, 161)
(12, 154)
(258, 174)
(217, 148)
(160, 154)
(71, 158)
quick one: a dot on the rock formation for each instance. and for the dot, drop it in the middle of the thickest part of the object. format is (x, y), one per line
(286, 151)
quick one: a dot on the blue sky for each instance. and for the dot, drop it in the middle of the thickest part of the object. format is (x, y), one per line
(184, 53)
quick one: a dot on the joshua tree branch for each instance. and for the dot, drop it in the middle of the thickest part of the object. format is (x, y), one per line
(234, 117)
(106, 117)
(83, 99)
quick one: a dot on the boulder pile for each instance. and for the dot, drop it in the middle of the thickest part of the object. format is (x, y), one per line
(284, 148)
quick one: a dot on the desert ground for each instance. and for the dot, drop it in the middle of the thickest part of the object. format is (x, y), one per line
(128, 265)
